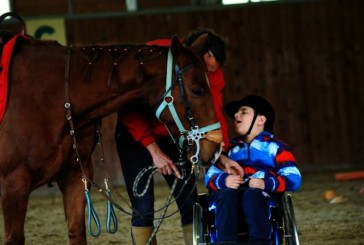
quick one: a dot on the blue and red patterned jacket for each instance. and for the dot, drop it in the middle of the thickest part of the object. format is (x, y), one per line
(265, 157)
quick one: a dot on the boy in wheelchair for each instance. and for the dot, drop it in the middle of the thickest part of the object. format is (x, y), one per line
(269, 169)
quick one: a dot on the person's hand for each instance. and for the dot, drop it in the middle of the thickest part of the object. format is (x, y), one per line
(231, 167)
(164, 164)
(233, 181)
(256, 183)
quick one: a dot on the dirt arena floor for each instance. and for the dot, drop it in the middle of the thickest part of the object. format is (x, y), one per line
(319, 222)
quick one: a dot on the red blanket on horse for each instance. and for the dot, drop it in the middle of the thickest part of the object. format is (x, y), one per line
(4, 71)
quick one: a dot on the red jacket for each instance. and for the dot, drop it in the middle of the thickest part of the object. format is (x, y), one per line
(146, 130)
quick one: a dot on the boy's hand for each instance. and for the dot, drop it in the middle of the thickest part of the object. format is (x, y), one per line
(256, 183)
(233, 181)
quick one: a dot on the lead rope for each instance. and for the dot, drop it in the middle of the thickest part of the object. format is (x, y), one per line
(169, 198)
(92, 215)
(153, 169)
(136, 194)
(162, 216)
(111, 219)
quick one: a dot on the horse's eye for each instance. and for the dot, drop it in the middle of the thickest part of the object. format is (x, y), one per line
(198, 91)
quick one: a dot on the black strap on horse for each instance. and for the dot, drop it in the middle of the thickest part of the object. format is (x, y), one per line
(179, 73)
(85, 178)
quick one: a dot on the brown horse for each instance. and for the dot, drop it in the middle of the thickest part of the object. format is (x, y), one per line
(36, 141)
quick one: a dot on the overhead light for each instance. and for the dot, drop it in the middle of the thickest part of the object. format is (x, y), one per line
(131, 5)
(227, 2)
(5, 6)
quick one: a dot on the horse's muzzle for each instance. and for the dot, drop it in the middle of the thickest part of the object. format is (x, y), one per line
(214, 136)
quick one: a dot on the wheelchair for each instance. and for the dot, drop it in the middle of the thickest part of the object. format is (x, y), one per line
(283, 221)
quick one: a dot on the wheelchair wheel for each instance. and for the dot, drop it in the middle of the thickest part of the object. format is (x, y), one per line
(293, 220)
(277, 227)
(289, 222)
(199, 225)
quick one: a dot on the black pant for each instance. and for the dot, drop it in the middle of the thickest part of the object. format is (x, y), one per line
(134, 157)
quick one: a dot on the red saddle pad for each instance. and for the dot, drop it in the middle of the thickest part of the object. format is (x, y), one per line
(4, 71)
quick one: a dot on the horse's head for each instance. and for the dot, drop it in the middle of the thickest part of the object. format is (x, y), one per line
(187, 108)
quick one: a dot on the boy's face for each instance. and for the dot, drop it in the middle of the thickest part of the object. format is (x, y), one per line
(243, 119)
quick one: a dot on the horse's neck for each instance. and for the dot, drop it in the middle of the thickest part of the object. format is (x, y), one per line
(114, 77)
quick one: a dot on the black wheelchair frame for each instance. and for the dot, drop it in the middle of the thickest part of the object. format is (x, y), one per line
(282, 218)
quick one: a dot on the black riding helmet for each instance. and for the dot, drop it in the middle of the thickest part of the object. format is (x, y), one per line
(260, 105)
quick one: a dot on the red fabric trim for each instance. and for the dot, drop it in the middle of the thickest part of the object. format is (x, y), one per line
(4, 72)
(160, 42)
(249, 171)
(217, 84)
(285, 156)
(282, 184)
(211, 184)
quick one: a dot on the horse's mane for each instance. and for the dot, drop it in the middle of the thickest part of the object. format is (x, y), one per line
(117, 53)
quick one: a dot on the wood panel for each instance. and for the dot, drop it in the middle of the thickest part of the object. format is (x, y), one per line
(60, 7)
(40, 8)
(97, 6)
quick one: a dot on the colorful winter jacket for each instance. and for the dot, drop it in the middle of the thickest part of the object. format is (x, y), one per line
(265, 157)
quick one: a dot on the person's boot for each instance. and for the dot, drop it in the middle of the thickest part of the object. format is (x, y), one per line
(140, 235)
(188, 234)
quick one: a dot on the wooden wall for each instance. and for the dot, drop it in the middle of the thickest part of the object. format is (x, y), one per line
(306, 57)
(62, 7)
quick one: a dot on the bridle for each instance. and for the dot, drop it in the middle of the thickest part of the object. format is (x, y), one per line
(195, 134)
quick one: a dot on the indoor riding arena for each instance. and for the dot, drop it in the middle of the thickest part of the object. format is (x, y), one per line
(305, 56)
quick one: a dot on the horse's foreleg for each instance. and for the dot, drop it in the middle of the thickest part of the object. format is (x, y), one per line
(74, 202)
(14, 200)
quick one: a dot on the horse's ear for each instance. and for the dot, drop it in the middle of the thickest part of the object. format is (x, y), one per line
(199, 43)
(176, 45)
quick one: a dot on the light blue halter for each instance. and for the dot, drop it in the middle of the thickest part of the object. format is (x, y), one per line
(196, 133)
